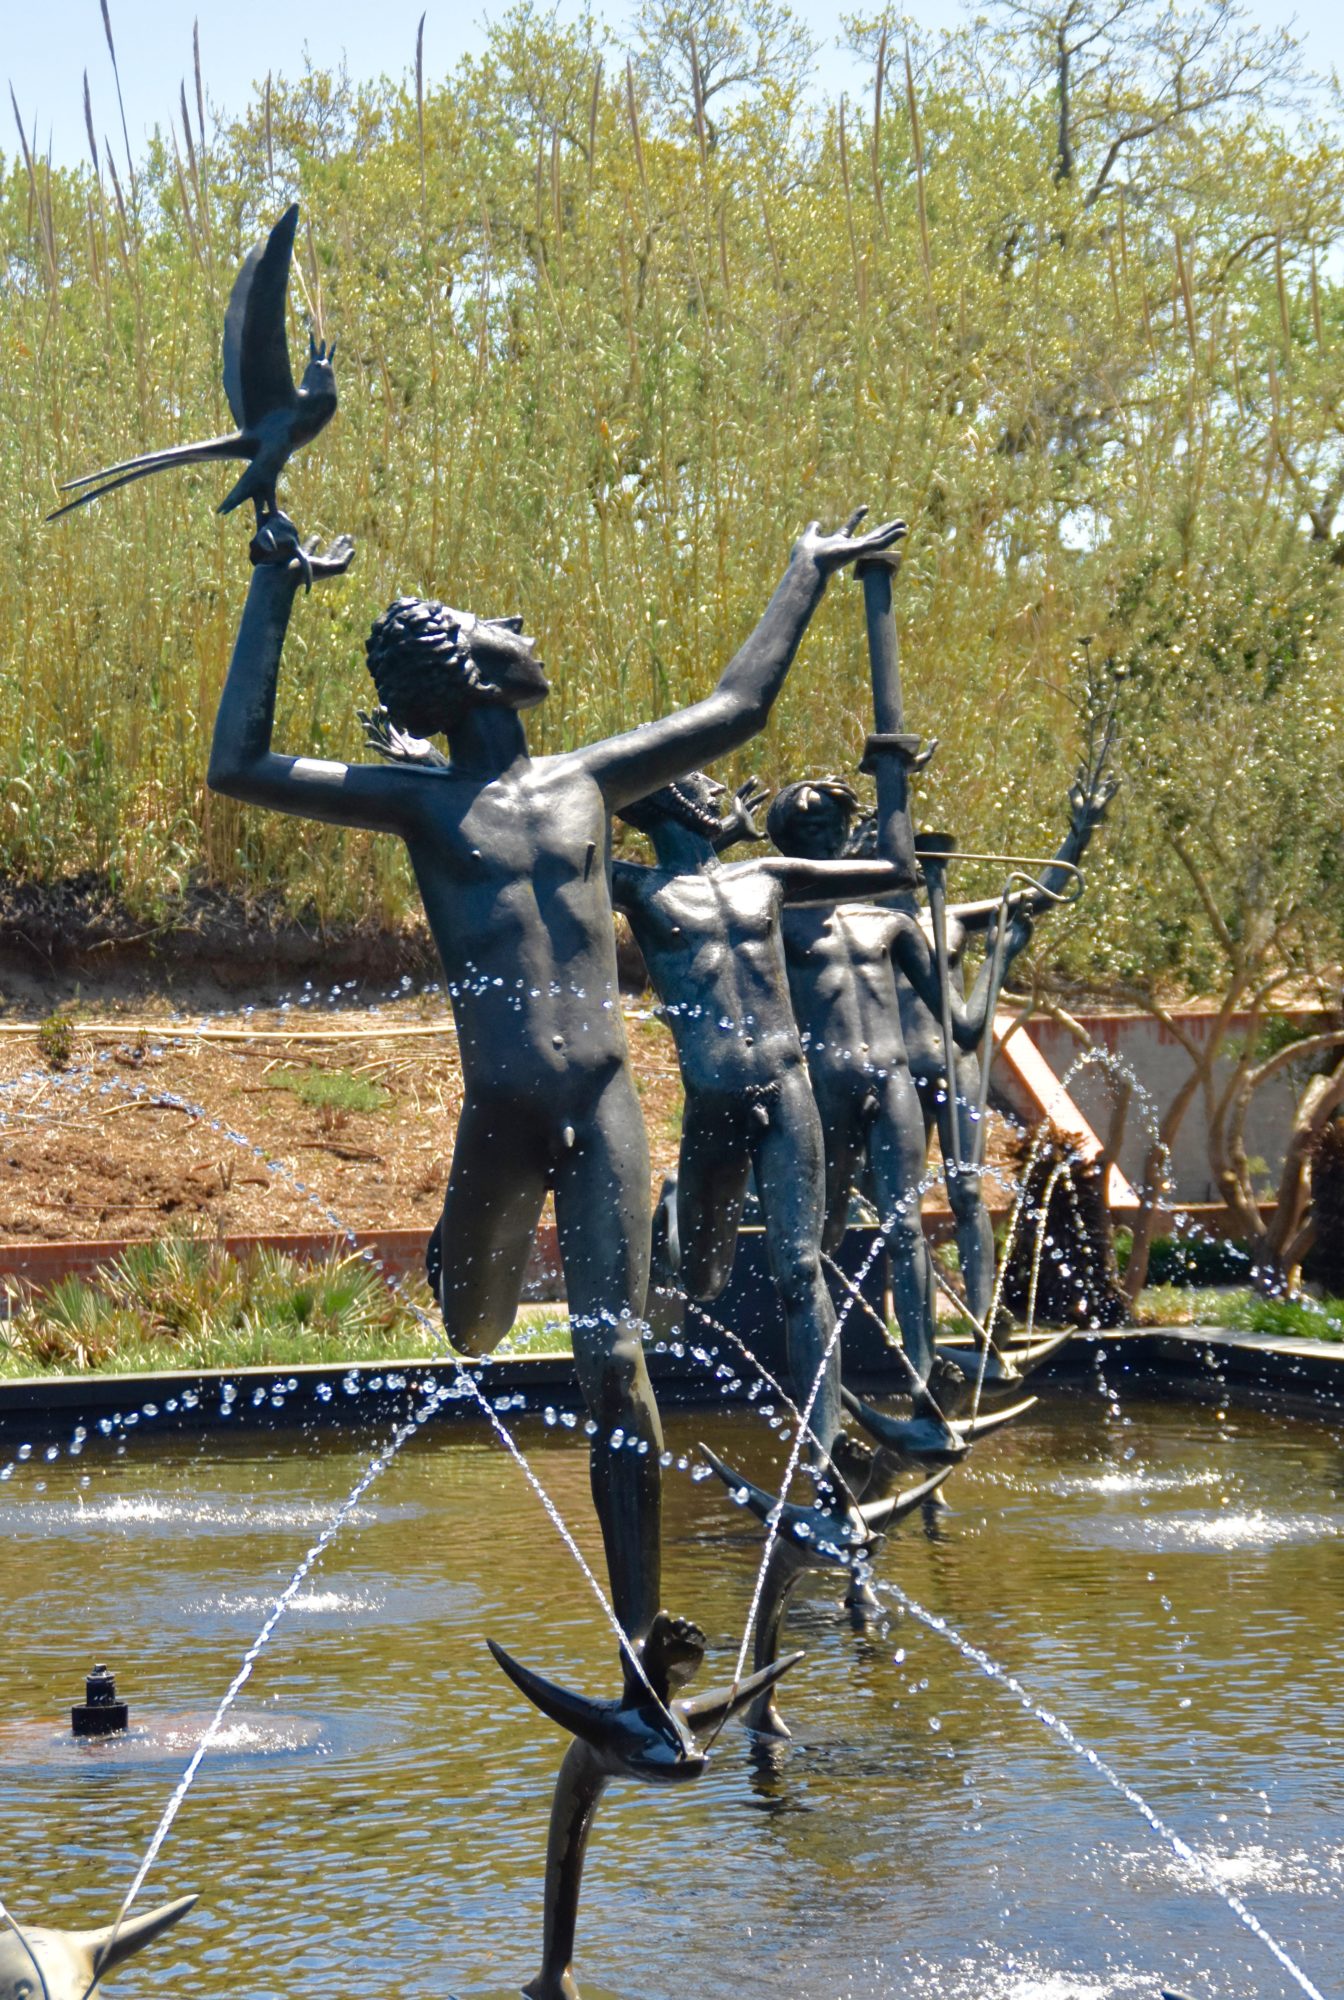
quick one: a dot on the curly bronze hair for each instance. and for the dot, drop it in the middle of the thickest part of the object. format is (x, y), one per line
(788, 805)
(422, 665)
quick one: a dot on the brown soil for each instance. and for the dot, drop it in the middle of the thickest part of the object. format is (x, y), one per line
(102, 1149)
(131, 1138)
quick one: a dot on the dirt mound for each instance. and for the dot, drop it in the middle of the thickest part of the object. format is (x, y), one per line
(54, 938)
(162, 1124)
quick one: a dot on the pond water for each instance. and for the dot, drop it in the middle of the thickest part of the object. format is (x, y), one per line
(1167, 1580)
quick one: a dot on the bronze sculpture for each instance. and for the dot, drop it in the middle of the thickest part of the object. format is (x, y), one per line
(1089, 797)
(842, 966)
(843, 1535)
(41, 1964)
(652, 1733)
(710, 936)
(511, 856)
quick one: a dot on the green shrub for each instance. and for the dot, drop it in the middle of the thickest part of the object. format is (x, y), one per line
(1289, 1319)
(1176, 1260)
(56, 1040)
(185, 1302)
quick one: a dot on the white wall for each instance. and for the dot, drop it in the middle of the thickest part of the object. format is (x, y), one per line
(1161, 1065)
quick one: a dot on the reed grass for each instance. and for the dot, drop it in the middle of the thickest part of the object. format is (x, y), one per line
(597, 368)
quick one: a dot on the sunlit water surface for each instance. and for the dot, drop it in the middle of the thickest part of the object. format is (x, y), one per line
(1169, 1581)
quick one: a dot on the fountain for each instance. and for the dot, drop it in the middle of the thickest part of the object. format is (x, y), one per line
(426, 1831)
(100, 1713)
(442, 1818)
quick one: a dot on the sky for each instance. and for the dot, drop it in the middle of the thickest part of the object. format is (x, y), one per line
(47, 47)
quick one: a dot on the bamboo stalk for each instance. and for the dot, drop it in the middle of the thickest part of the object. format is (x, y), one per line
(1187, 296)
(88, 127)
(849, 202)
(698, 95)
(121, 102)
(594, 105)
(200, 85)
(633, 111)
(1281, 289)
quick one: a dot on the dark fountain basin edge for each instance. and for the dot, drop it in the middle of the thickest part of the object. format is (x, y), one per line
(1199, 1362)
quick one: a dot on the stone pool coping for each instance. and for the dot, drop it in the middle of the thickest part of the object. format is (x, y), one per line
(1202, 1362)
(1304, 1375)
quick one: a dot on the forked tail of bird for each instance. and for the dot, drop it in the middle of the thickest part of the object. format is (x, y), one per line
(129, 469)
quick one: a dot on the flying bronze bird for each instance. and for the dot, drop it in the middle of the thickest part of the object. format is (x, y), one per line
(274, 418)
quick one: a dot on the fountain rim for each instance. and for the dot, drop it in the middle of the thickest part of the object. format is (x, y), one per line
(1306, 1376)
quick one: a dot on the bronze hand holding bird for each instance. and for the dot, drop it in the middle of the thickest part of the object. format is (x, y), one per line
(274, 418)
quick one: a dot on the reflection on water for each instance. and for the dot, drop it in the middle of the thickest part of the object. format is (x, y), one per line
(1254, 1867)
(149, 1513)
(1166, 1581)
(1135, 1479)
(1234, 1528)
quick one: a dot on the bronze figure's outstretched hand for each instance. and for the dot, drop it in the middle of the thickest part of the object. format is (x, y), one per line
(274, 418)
(832, 552)
(1089, 795)
(739, 821)
(276, 545)
(1017, 936)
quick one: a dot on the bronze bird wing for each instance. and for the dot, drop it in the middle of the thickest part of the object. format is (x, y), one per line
(257, 376)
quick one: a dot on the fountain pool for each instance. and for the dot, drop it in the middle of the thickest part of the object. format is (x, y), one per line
(1165, 1579)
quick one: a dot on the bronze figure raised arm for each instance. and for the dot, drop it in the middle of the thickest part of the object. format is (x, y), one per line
(1089, 797)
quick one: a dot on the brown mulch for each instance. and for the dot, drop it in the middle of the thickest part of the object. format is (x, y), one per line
(132, 1139)
(105, 1149)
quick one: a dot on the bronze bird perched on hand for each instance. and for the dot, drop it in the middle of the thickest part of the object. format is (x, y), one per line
(274, 418)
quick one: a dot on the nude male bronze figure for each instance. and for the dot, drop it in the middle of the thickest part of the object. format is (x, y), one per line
(1089, 797)
(511, 855)
(843, 964)
(710, 935)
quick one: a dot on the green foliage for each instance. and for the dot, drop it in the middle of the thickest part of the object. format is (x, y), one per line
(608, 338)
(539, 1330)
(1289, 1319)
(56, 1039)
(1178, 1261)
(1243, 1311)
(185, 1303)
(1276, 1032)
(336, 1092)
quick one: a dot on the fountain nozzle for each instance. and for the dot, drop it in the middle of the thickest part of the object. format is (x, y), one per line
(100, 1713)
